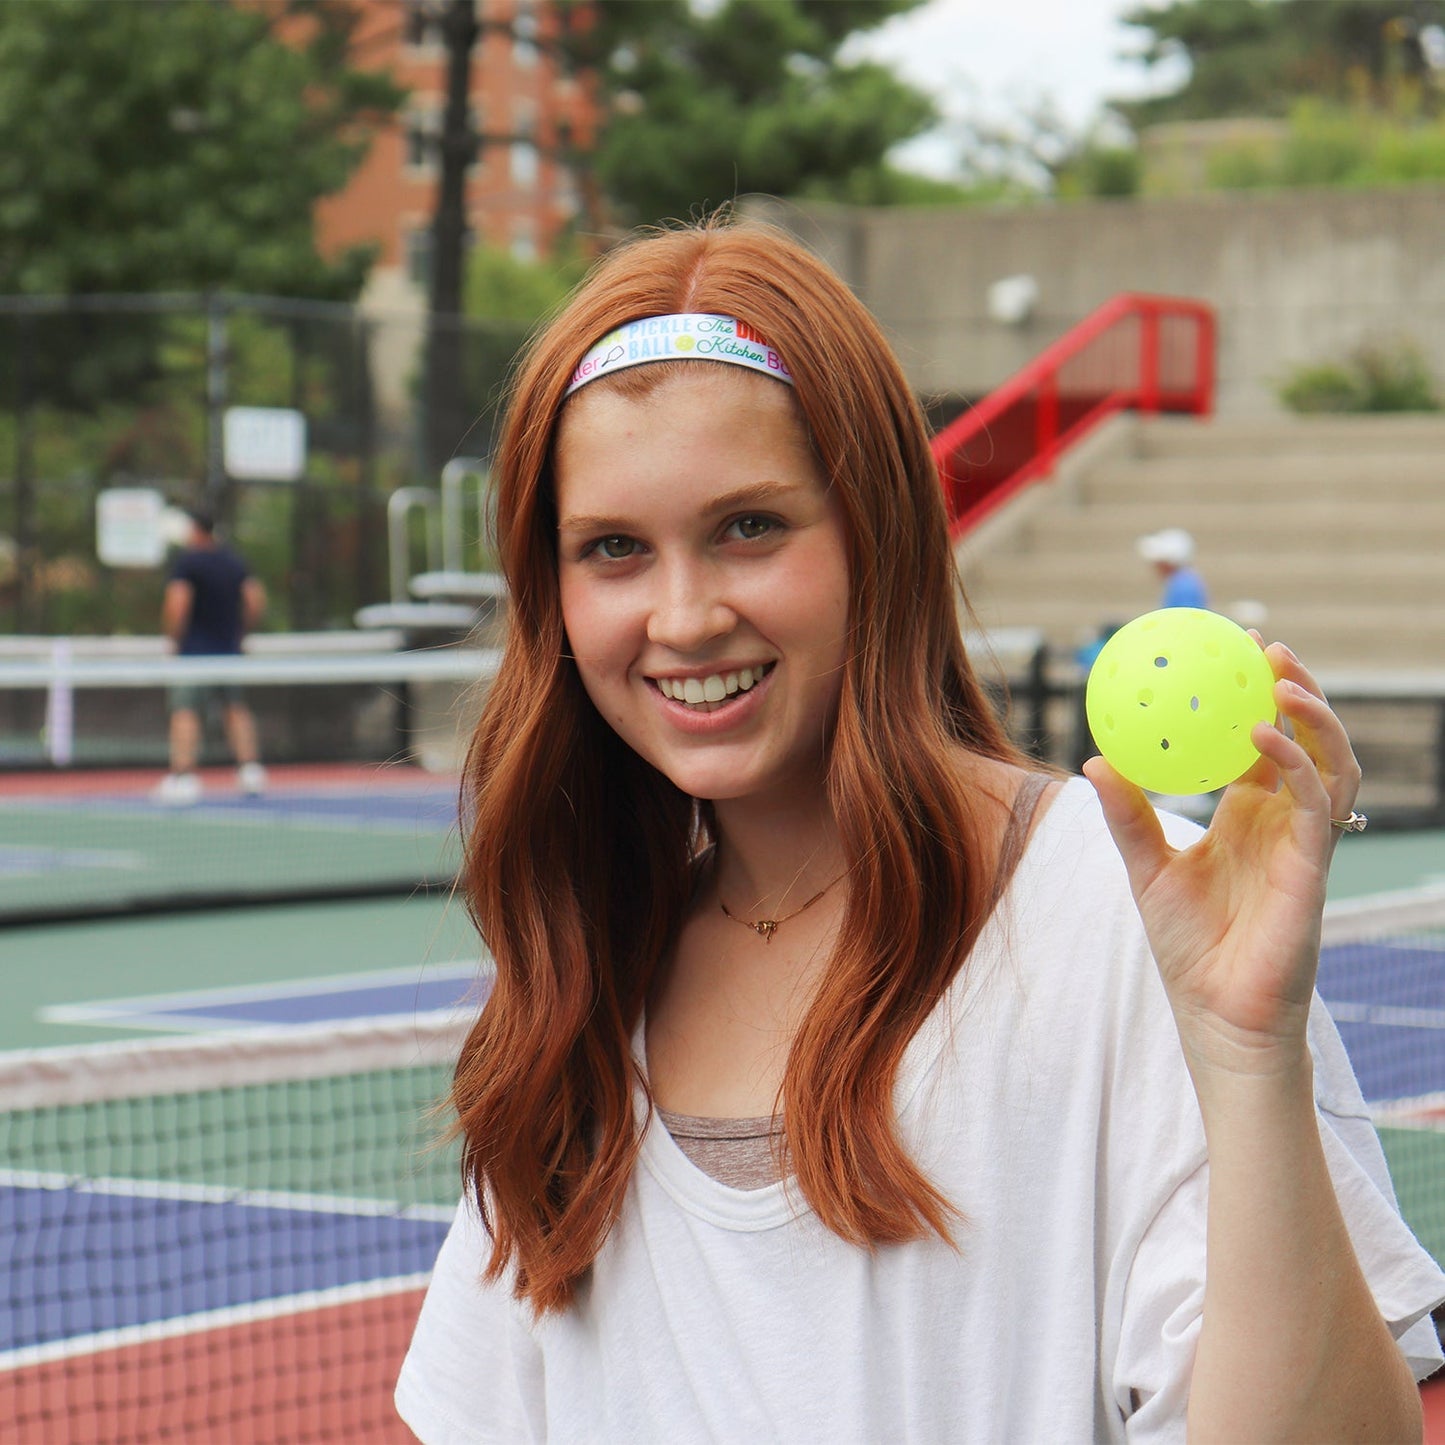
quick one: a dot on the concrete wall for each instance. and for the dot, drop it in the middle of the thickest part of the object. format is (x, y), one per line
(1296, 277)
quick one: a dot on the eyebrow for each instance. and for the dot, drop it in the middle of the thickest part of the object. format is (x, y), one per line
(754, 494)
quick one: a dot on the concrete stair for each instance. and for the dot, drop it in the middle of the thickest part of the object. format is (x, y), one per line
(1328, 533)
(1336, 526)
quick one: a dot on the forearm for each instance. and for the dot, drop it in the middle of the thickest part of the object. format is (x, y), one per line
(1292, 1346)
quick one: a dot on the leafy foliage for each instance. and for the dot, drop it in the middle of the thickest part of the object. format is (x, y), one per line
(1329, 145)
(177, 144)
(1257, 57)
(749, 95)
(1376, 377)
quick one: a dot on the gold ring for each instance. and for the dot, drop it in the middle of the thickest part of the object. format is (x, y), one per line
(1355, 823)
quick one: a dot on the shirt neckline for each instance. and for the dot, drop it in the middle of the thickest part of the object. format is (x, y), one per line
(773, 1205)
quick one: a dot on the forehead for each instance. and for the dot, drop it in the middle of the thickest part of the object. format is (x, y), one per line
(702, 433)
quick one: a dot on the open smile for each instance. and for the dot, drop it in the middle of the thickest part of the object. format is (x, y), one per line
(713, 690)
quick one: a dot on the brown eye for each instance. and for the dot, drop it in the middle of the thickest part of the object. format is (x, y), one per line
(616, 548)
(749, 529)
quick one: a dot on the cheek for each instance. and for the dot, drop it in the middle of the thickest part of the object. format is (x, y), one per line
(595, 631)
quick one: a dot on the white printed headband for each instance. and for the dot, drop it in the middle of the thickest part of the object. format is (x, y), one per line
(687, 336)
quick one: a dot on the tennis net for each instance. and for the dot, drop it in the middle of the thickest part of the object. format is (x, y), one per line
(222, 1238)
(361, 755)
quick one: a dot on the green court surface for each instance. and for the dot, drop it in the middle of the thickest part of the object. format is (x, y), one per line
(123, 854)
(1417, 1165)
(374, 1135)
(1378, 862)
(165, 953)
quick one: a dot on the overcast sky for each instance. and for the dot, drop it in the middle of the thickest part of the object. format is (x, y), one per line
(1000, 57)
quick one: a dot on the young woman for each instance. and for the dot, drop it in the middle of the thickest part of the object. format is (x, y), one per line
(841, 1079)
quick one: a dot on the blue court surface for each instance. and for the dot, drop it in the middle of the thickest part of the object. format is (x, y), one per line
(1388, 999)
(152, 1254)
(386, 994)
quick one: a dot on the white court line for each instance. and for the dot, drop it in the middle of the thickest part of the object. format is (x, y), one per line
(1391, 1015)
(218, 1319)
(171, 1189)
(144, 1010)
(117, 810)
(1424, 1111)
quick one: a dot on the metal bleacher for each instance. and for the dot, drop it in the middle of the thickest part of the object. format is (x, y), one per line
(444, 600)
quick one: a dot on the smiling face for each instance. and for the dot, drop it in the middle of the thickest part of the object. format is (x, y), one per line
(704, 579)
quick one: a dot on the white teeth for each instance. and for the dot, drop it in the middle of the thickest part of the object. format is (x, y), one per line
(712, 689)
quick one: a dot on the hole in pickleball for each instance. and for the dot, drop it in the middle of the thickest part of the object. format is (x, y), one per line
(1146, 696)
(1109, 721)
(1161, 662)
(1164, 743)
(1240, 680)
(1193, 704)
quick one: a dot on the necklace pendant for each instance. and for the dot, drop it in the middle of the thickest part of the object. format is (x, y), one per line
(765, 928)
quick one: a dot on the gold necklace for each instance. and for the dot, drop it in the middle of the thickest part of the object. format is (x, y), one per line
(766, 927)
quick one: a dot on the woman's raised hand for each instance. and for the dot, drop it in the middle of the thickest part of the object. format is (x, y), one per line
(1234, 920)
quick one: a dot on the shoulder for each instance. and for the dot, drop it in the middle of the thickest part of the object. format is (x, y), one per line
(184, 565)
(1073, 853)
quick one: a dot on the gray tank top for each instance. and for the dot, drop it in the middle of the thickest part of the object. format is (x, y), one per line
(752, 1153)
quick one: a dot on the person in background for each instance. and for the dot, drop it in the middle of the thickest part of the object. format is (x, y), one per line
(211, 602)
(1172, 553)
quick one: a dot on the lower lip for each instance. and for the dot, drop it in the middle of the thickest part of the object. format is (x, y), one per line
(741, 707)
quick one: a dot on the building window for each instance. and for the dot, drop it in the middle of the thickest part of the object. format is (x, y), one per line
(525, 50)
(524, 164)
(418, 256)
(420, 27)
(421, 142)
(524, 239)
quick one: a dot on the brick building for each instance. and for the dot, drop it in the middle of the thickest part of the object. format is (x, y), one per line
(525, 109)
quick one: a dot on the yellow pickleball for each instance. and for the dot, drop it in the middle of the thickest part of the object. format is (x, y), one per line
(1172, 697)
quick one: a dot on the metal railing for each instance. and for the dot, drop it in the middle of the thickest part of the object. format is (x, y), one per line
(1140, 352)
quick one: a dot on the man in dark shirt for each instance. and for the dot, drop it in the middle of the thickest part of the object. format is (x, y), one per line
(211, 601)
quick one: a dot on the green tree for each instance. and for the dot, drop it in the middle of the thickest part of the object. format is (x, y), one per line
(178, 144)
(708, 103)
(1257, 57)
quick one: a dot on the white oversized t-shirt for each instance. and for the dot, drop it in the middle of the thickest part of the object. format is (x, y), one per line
(1047, 1098)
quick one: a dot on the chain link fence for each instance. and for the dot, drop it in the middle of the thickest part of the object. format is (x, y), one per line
(98, 392)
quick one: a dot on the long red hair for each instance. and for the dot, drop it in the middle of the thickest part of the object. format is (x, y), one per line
(579, 857)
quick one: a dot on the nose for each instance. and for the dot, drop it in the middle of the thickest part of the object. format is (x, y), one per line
(689, 609)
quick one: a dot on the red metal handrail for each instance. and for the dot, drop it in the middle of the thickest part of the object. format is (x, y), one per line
(1139, 352)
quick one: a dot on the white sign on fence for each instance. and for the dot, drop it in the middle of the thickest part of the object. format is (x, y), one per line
(130, 527)
(264, 443)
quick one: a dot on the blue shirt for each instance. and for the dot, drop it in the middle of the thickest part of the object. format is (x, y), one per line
(1185, 588)
(216, 622)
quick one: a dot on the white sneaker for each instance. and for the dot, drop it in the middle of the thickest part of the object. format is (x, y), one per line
(178, 790)
(252, 779)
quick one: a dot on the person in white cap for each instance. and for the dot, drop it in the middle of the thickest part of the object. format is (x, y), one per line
(1172, 553)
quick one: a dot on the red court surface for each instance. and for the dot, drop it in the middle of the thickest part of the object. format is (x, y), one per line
(1433, 1398)
(317, 1375)
(218, 781)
